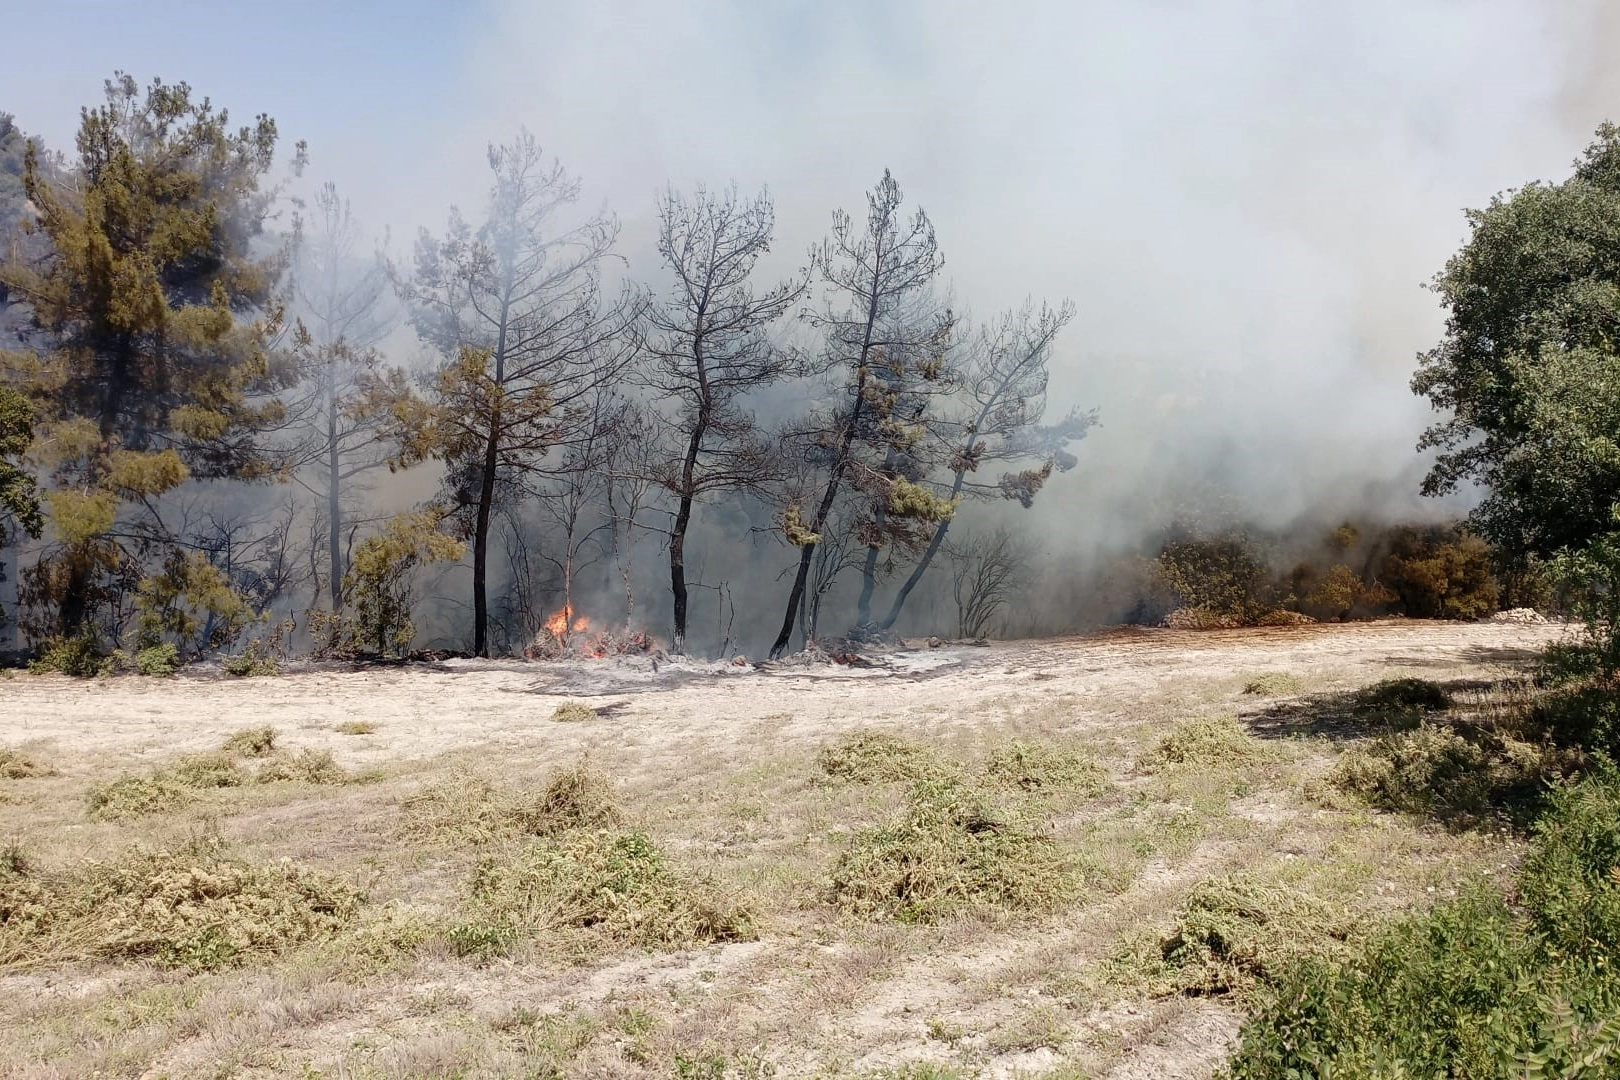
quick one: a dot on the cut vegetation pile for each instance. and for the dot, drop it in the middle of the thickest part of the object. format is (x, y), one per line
(573, 712)
(1042, 767)
(1206, 741)
(952, 850)
(1274, 684)
(182, 782)
(198, 908)
(876, 757)
(466, 809)
(614, 886)
(1233, 931)
(16, 765)
(564, 871)
(308, 766)
(1485, 765)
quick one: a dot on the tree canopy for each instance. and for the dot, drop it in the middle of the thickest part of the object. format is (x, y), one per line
(1528, 368)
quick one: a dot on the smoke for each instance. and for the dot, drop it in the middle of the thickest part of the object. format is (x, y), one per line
(1244, 199)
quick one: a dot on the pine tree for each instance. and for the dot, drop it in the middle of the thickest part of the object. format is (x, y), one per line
(155, 313)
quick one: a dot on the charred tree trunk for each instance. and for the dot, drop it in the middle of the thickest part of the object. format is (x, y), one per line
(683, 512)
(334, 479)
(486, 494)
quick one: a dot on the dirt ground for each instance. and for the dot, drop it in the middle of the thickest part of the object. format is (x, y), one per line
(719, 763)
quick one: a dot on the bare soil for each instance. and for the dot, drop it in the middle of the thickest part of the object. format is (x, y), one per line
(718, 761)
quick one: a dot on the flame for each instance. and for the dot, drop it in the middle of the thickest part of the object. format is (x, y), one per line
(564, 621)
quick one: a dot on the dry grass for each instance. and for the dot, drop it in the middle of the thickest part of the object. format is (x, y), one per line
(1063, 853)
(356, 727)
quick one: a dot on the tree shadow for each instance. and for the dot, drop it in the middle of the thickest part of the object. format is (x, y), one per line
(1464, 753)
(1391, 705)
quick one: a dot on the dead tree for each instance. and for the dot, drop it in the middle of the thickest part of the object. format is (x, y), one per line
(628, 481)
(342, 318)
(877, 325)
(988, 569)
(709, 348)
(1003, 386)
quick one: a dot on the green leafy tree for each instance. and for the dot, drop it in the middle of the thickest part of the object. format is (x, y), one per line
(1528, 367)
(155, 310)
(379, 584)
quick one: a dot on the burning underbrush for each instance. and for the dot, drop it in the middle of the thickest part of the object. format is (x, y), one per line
(567, 635)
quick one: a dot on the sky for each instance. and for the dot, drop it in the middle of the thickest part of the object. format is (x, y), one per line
(1244, 198)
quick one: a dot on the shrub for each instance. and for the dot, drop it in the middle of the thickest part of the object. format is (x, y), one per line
(191, 606)
(617, 886)
(198, 908)
(379, 583)
(1222, 574)
(570, 712)
(876, 757)
(1473, 988)
(1036, 766)
(158, 660)
(1440, 572)
(1204, 741)
(1591, 579)
(251, 742)
(952, 850)
(78, 656)
(1581, 716)
(252, 662)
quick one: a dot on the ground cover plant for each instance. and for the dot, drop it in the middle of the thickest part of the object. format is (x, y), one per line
(1479, 987)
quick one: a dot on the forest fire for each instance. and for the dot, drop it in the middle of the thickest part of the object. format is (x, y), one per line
(567, 634)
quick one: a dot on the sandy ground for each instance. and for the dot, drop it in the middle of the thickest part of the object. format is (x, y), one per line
(495, 706)
(718, 758)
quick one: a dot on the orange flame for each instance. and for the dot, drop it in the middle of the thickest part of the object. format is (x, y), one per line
(558, 625)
